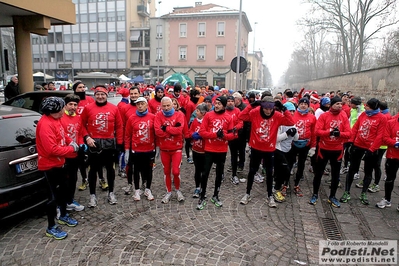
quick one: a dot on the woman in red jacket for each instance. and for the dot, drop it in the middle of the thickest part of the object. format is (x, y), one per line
(53, 146)
(140, 148)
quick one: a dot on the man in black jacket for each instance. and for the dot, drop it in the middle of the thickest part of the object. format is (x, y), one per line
(12, 88)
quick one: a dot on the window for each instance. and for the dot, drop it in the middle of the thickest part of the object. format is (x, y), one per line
(121, 36)
(121, 56)
(93, 37)
(220, 53)
(50, 37)
(67, 38)
(159, 31)
(76, 57)
(183, 30)
(111, 36)
(93, 57)
(112, 56)
(102, 57)
(68, 57)
(111, 16)
(201, 52)
(102, 37)
(201, 29)
(36, 58)
(83, 18)
(84, 37)
(159, 54)
(76, 38)
(102, 17)
(220, 29)
(182, 53)
(120, 16)
(85, 57)
(93, 17)
(35, 40)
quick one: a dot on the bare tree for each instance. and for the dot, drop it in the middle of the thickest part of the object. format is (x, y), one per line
(356, 22)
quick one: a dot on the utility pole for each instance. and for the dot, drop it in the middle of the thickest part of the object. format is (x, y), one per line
(253, 63)
(158, 37)
(239, 49)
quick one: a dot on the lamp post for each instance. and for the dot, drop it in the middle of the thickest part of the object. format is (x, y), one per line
(239, 49)
(158, 27)
(254, 59)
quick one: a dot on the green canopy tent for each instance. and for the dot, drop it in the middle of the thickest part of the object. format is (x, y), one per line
(184, 80)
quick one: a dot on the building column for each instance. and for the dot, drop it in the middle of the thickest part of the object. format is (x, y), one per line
(24, 55)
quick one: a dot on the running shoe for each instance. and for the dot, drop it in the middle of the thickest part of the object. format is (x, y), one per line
(345, 197)
(103, 184)
(356, 176)
(180, 196)
(215, 200)
(243, 180)
(128, 189)
(122, 173)
(166, 198)
(66, 220)
(201, 204)
(112, 199)
(374, 188)
(334, 202)
(235, 180)
(197, 192)
(343, 170)
(363, 198)
(313, 199)
(284, 191)
(383, 203)
(298, 191)
(326, 171)
(310, 169)
(278, 196)
(75, 206)
(136, 195)
(190, 161)
(148, 194)
(247, 198)
(360, 184)
(84, 185)
(271, 202)
(258, 178)
(93, 201)
(56, 232)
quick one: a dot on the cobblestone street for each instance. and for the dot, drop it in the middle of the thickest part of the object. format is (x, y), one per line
(152, 233)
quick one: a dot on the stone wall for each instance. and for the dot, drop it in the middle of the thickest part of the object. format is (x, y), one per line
(380, 83)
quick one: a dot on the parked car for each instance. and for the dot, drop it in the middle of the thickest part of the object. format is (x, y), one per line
(32, 100)
(22, 186)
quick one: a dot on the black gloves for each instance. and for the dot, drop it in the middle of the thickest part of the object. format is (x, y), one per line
(335, 132)
(291, 132)
(163, 127)
(220, 133)
(280, 106)
(255, 104)
(177, 124)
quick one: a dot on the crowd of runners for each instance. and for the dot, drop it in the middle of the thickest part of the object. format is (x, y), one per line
(335, 131)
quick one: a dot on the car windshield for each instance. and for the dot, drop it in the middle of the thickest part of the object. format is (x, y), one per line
(22, 131)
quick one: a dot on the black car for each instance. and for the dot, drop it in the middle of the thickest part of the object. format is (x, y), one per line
(32, 100)
(22, 186)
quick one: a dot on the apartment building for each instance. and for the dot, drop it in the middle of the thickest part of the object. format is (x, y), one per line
(201, 42)
(109, 36)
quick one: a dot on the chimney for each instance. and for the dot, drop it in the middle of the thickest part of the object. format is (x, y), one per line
(198, 4)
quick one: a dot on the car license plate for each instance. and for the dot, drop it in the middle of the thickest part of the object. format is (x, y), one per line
(27, 166)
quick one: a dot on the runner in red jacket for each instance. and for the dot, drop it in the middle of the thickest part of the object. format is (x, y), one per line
(53, 145)
(170, 129)
(265, 123)
(216, 130)
(366, 138)
(80, 89)
(154, 105)
(104, 125)
(140, 148)
(334, 130)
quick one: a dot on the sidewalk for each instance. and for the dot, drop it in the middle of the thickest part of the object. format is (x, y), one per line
(152, 233)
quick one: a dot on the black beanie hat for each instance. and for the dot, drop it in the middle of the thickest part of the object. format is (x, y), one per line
(335, 100)
(75, 85)
(304, 100)
(356, 100)
(72, 98)
(373, 103)
(230, 98)
(222, 100)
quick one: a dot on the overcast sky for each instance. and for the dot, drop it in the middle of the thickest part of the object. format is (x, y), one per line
(275, 32)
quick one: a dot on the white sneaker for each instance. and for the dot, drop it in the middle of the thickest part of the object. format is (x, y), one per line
(344, 170)
(383, 203)
(243, 180)
(148, 194)
(75, 206)
(247, 198)
(112, 199)
(356, 176)
(234, 180)
(128, 189)
(93, 201)
(180, 196)
(166, 198)
(136, 195)
(271, 202)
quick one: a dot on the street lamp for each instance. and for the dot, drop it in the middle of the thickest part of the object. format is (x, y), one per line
(254, 58)
(158, 37)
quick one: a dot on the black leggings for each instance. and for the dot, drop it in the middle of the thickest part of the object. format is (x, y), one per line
(72, 166)
(96, 162)
(302, 155)
(142, 164)
(233, 146)
(391, 167)
(219, 158)
(377, 167)
(57, 182)
(322, 158)
(281, 169)
(199, 162)
(187, 147)
(268, 162)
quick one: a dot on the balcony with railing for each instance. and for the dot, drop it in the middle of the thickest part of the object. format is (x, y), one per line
(142, 11)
